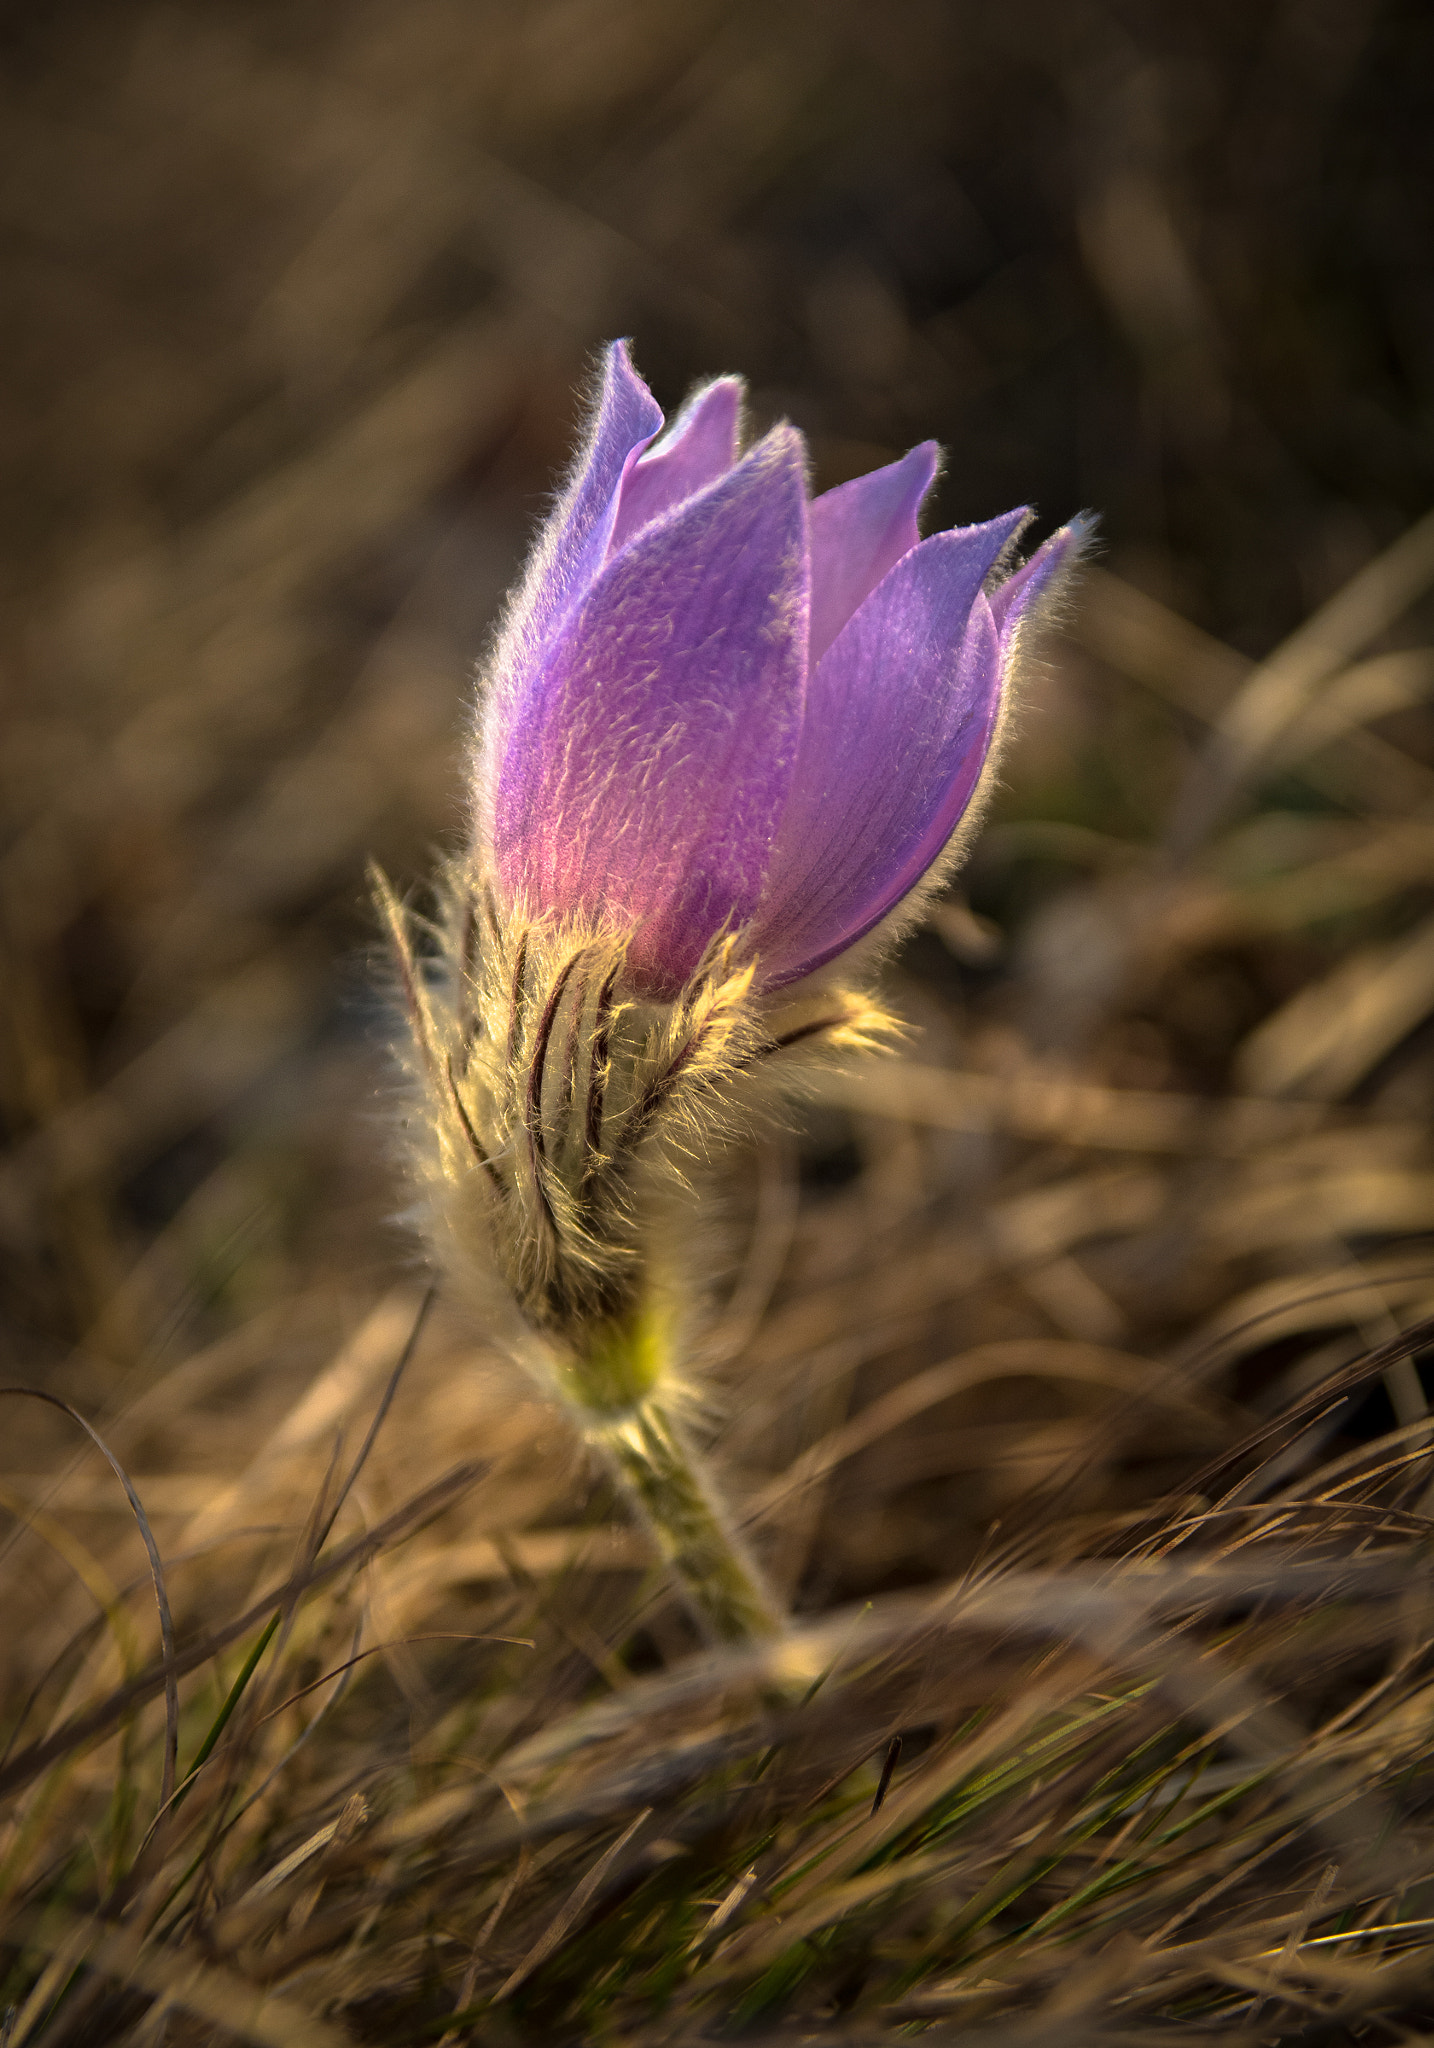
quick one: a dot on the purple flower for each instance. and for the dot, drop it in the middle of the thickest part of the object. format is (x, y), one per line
(718, 704)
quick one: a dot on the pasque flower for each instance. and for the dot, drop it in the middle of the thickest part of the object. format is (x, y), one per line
(726, 733)
(722, 705)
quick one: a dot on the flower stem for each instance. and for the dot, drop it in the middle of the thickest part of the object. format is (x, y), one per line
(663, 1474)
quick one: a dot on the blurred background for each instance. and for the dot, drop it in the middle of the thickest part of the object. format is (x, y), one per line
(297, 301)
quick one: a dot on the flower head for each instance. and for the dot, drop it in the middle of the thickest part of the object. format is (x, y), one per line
(721, 706)
(728, 730)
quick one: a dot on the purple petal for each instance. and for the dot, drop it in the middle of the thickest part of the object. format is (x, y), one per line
(1022, 593)
(577, 536)
(899, 718)
(568, 555)
(859, 531)
(650, 771)
(699, 446)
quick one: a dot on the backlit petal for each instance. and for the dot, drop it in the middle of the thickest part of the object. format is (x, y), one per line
(699, 446)
(567, 557)
(1022, 593)
(647, 777)
(576, 540)
(859, 531)
(900, 714)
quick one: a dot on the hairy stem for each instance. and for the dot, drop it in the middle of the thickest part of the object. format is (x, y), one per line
(664, 1476)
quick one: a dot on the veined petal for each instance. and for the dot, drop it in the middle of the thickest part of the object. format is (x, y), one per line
(568, 555)
(900, 714)
(699, 446)
(1015, 598)
(859, 531)
(577, 537)
(650, 771)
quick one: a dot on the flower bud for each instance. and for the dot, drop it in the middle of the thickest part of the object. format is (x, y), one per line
(727, 733)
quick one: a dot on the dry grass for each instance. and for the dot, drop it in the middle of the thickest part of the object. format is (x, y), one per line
(1067, 1370)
